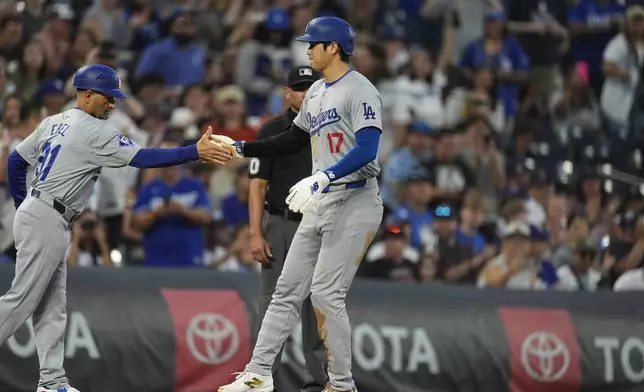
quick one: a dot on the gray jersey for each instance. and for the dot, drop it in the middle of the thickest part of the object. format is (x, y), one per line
(332, 113)
(68, 151)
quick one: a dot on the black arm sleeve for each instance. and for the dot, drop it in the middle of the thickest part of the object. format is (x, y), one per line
(286, 143)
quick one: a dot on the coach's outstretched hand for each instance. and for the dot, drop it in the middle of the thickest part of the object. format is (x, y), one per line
(211, 151)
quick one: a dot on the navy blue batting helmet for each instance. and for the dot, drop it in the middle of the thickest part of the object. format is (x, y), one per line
(330, 29)
(99, 78)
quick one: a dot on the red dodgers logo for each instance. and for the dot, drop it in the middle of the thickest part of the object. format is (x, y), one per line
(212, 337)
(543, 350)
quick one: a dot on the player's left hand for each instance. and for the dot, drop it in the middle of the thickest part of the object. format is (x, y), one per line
(304, 193)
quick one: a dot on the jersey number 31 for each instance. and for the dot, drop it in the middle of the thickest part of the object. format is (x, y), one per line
(45, 161)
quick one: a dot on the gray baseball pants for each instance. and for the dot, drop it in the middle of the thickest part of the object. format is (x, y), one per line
(39, 287)
(279, 233)
(323, 259)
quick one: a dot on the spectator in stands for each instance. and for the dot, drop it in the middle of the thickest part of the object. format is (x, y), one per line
(31, 70)
(483, 155)
(417, 193)
(54, 37)
(89, 245)
(451, 174)
(11, 37)
(52, 94)
(471, 218)
(513, 268)
(592, 24)
(540, 255)
(172, 211)
(591, 198)
(427, 269)
(235, 206)
(112, 20)
(238, 257)
(33, 19)
(302, 12)
(626, 247)
(504, 54)
(576, 105)
(633, 198)
(541, 189)
(82, 45)
(557, 218)
(178, 59)
(392, 260)
(145, 23)
(577, 228)
(632, 280)
(479, 98)
(192, 111)
(539, 25)
(419, 94)
(230, 115)
(417, 150)
(393, 40)
(580, 275)
(622, 61)
(264, 59)
(455, 260)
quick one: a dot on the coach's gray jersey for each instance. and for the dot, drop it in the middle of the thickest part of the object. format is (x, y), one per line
(332, 113)
(67, 152)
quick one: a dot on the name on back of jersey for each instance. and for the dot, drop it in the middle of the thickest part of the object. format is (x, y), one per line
(324, 118)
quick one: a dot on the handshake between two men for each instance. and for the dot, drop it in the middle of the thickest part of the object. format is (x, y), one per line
(217, 149)
(220, 150)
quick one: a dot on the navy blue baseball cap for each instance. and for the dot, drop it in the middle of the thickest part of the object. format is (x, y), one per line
(277, 19)
(51, 86)
(422, 128)
(495, 15)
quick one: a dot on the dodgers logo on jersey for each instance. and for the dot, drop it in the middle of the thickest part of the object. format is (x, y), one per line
(124, 141)
(326, 117)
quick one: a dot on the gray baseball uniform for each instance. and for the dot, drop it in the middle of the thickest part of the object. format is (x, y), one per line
(334, 234)
(67, 152)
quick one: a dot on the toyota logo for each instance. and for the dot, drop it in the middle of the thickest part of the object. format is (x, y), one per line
(544, 356)
(212, 339)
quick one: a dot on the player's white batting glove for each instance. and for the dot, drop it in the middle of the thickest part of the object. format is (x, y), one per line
(236, 148)
(304, 193)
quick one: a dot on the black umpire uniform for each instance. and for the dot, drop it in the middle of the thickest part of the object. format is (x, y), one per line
(278, 227)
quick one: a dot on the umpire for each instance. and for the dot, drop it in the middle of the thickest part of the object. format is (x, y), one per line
(273, 225)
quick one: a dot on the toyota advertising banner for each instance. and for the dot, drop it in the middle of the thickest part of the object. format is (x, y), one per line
(154, 330)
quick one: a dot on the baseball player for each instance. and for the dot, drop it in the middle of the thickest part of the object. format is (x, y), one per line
(271, 180)
(67, 152)
(340, 203)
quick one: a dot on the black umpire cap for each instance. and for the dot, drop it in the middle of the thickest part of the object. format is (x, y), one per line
(301, 78)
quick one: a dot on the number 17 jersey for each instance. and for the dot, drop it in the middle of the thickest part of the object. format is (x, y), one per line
(332, 113)
(67, 152)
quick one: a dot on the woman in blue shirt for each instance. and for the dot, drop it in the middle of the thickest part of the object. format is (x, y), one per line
(497, 50)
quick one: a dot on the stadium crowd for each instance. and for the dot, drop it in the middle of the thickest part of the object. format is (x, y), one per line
(506, 123)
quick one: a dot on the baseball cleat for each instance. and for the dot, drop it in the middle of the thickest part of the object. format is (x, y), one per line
(249, 382)
(329, 388)
(66, 389)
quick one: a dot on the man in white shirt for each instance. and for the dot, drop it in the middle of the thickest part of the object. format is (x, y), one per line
(512, 268)
(632, 280)
(580, 274)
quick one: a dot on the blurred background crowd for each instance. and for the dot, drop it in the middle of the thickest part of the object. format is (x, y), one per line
(505, 124)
